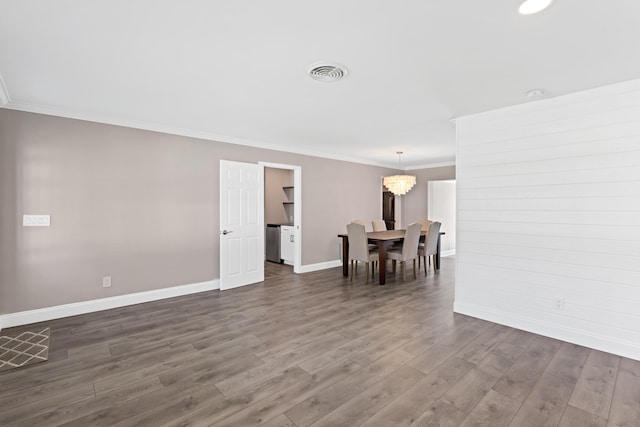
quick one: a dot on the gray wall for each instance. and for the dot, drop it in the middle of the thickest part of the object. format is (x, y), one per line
(8, 225)
(274, 195)
(139, 206)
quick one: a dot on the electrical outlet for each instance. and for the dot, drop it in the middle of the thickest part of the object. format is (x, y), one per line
(106, 282)
(560, 303)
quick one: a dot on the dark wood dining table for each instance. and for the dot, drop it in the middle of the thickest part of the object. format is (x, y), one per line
(383, 239)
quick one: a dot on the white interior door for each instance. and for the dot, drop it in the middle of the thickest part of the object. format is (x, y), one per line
(241, 224)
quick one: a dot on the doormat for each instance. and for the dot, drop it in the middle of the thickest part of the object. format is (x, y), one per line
(24, 349)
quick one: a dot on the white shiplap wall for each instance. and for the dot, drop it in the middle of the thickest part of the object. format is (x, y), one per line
(549, 217)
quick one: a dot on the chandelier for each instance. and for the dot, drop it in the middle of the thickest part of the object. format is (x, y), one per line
(399, 184)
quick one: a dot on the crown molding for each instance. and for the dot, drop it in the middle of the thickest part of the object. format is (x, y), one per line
(4, 93)
(156, 127)
(431, 165)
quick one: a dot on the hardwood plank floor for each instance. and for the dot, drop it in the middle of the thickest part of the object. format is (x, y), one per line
(315, 349)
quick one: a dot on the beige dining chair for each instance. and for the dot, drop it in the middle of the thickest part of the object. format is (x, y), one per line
(430, 246)
(408, 251)
(425, 227)
(379, 225)
(359, 221)
(425, 223)
(359, 249)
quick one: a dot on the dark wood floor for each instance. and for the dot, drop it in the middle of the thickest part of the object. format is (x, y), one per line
(317, 350)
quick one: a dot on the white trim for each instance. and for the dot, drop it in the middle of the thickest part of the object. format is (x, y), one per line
(320, 266)
(431, 165)
(297, 217)
(277, 165)
(4, 96)
(83, 307)
(553, 330)
(447, 253)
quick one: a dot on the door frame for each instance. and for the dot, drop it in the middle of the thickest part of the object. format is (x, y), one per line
(297, 209)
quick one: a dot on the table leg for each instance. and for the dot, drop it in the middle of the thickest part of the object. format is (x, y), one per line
(382, 262)
(345, 256)
(437, 257)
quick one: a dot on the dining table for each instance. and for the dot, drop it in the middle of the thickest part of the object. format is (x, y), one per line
(383, 239)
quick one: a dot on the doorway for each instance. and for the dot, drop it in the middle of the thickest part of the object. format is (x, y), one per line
(441, 207)
(242, 230)
(292, 211)
(389, 209)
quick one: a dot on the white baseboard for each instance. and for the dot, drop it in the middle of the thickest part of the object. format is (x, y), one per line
(552, 330)
(320, 266)
(76, 308)
(448, 253)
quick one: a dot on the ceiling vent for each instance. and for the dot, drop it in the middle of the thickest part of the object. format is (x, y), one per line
(327, 72)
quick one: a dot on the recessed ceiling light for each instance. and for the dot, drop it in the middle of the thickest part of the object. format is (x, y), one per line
(535, 93)
(529, 7)
(326, 72)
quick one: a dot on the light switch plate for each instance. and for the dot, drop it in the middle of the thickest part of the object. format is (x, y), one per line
(36, 220)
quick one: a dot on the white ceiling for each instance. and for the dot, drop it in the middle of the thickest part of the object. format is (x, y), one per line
(235, 71)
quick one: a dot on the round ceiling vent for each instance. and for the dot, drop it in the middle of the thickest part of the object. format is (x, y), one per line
(327, 72)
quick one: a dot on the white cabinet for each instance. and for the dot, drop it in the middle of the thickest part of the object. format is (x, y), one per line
(287, 236)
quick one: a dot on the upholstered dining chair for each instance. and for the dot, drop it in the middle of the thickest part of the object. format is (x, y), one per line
(425, 227)
(359, 221)
(430, 246)
(379, 225)
(359, 249)
(425, 224)
(409, 249)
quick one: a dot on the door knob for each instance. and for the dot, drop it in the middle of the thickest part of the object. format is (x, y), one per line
(225, 232)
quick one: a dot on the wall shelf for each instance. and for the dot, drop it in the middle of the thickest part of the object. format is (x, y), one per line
(289, 203)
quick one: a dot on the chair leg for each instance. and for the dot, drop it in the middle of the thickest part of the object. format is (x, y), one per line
(425, 265)
(352, 270)
(393, 263)
(414, 269)
(404, 271)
